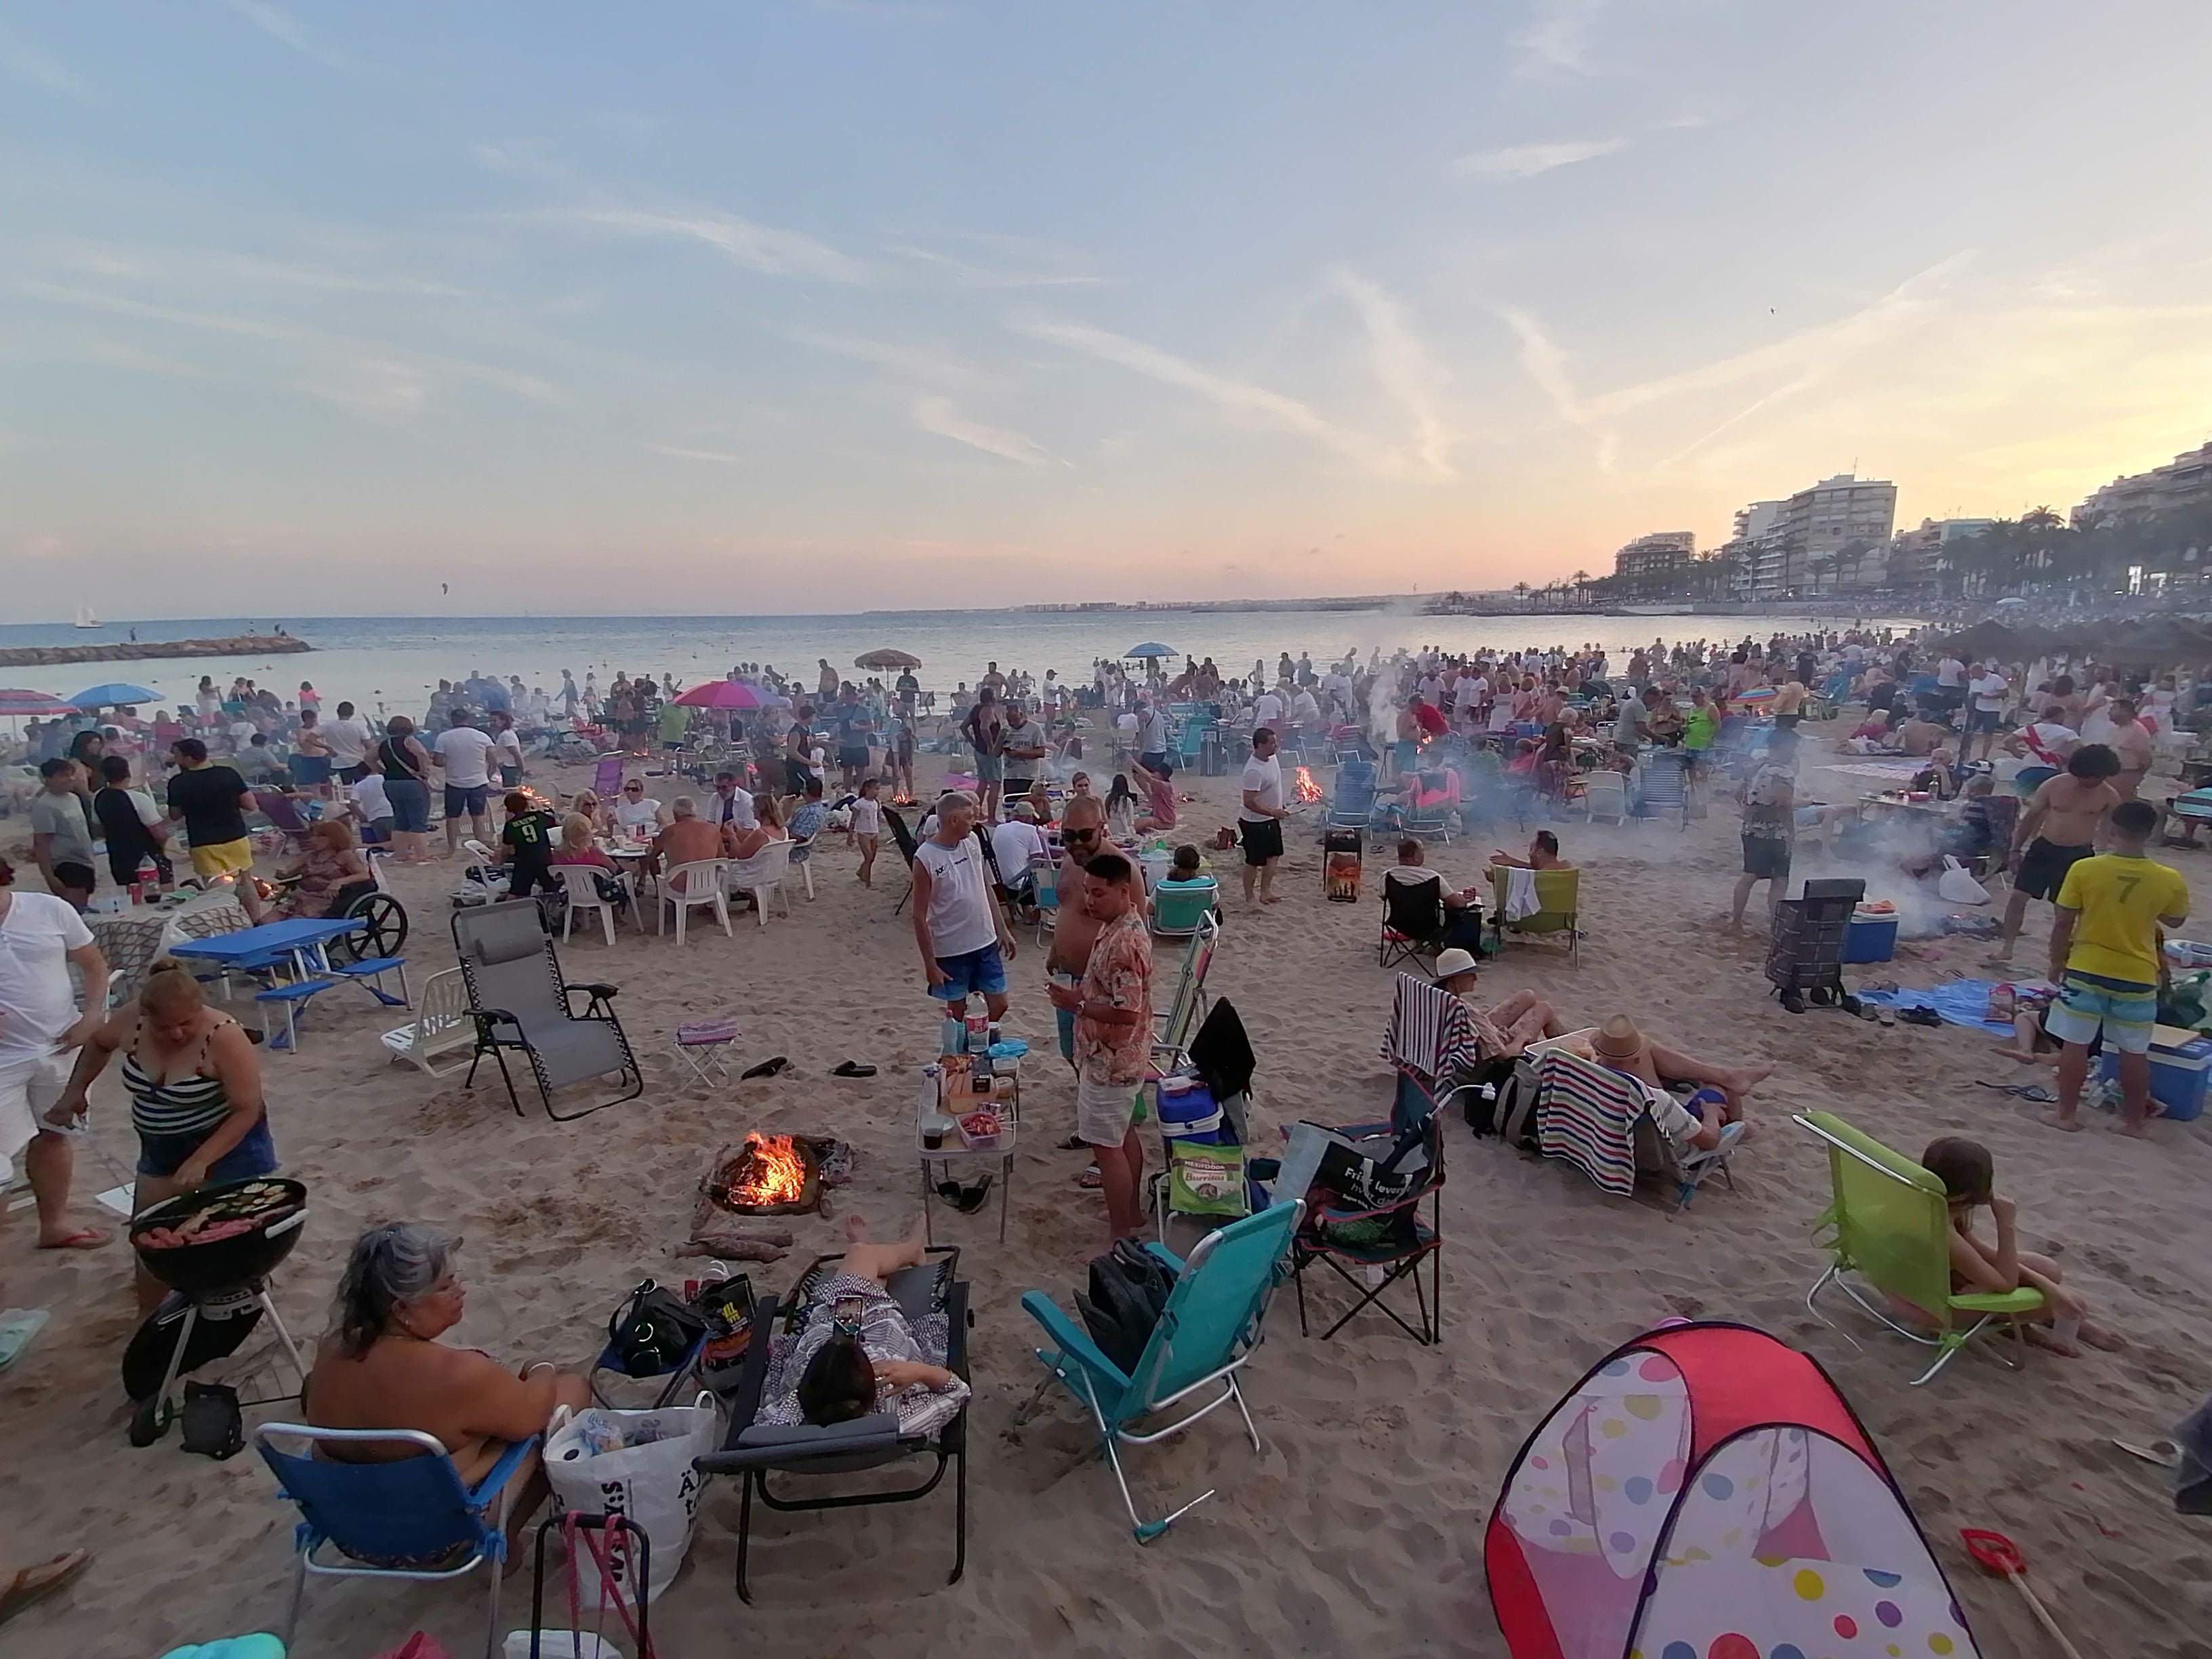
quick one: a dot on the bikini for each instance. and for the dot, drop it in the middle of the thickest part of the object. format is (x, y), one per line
(174, 1118)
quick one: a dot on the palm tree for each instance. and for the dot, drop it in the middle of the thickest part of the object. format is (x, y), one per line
(1819, 565)
(1520, 591)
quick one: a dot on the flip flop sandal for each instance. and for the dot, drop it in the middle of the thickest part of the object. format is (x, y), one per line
(2034, 1092)
(971, 1199)
(15, 1598)
(2163, 1453)
(767, 1067)
(851, 1068)
(18, 1326)
(1091, 1180)
(1920, 1017)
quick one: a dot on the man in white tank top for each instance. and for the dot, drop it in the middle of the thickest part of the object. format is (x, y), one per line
(957, 923)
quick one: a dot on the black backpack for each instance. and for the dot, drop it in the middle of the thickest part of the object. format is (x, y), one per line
(1129, 1287)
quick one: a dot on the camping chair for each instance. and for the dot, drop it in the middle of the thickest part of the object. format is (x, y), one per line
(1044, 895)
(903, 838)
(1605, 795)
(1177, 912)
(1208, 1331)
(690, 887)
(1173, 1028)
(1663, 785)
(1412, 919)
(441, 1026)
(1888, 1220)
(1358, 1241)
(753, 1450)
(1656, 1157)
(284, 815)
(1354, 801)
(607, 776)
(1558, 894)
(762, 875)
(582, 881)
(519, 1000)
(412, 1510)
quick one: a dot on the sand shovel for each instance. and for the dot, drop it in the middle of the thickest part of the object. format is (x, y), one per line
(1998, 1554)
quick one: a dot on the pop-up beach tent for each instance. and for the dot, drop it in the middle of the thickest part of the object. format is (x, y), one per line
(1705, 1492)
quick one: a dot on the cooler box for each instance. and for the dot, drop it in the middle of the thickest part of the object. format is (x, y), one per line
(1189, 1112)
(1870, 938)
(2180, 1060)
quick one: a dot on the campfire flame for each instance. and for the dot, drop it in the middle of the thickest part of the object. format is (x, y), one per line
(1308, 792)
(771, 1171)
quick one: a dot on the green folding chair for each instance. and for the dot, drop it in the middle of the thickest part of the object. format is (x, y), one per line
(1889, 1222)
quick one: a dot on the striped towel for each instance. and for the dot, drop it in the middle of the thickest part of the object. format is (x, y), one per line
(1586, 1114)
(1431, 1032)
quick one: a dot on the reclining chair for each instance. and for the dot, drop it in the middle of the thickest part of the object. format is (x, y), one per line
(520, 1001)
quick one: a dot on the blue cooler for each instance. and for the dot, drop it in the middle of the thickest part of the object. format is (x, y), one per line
(2178, 1071)
(1870, 938)
(1189, 1112)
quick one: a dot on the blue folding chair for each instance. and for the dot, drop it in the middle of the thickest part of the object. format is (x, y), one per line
(410, 1519)
(1211, 1327)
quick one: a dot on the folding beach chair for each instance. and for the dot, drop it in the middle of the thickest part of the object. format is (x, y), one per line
(1412, 919)
(1206, 1334)
(1173, 1027)
(520, 1002)
(1177, 911)
(284, 815)
(903, 838)
(1431, 1044)
(1558, 898)
(753, 1450)
(1353, 803)
(1662, 786)
(1599, 1121)
(442, 1030)
(607, 776)
(414, 1510)
(1373, 1239)
(1888, 1221)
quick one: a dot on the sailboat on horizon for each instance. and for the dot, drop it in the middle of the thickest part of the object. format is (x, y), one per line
(86, 619)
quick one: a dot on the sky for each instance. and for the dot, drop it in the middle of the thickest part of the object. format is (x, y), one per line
(796, 306)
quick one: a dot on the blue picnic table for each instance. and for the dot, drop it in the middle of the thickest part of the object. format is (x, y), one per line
(303, 942)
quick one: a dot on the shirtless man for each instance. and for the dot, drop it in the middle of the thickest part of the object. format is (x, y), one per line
(1625, 1049)
(1082, 837)
(2058, 830)
(2130, 740)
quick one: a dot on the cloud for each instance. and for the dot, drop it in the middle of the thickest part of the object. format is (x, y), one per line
(974, 276)
(1528, 160)
(28, 63)
(908, 362)
(1254, 403)
(1555, 45)
(280, 27)
(937, 415)
(222, 268)
(1544, 363)
(1404, 367)
(768, 249)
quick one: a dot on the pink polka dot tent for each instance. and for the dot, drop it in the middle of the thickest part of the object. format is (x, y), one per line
(1705, 1492)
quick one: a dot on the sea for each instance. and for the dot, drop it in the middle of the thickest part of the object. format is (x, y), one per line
(390, 665)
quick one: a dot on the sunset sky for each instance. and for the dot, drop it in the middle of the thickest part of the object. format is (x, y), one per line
(773, 305)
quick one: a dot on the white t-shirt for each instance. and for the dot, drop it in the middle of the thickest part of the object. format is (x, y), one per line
(509, 745)
(1262, 778)
(1989, 693)
(868, 817)
(1304, 709)
(643, 813)
(1950, 671)
(347, 741)
(369, 799)
(1014, 843)
(960, 918)
(2051, 735)
(36, 1003)
(1125, 729)
(1266, 709)
(467, 754)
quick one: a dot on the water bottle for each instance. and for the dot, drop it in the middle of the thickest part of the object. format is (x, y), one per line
(144, 880)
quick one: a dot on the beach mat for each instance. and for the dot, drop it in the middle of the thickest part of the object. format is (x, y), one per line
(1958, 1001)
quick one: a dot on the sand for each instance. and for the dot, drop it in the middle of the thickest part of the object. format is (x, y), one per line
(1358, 1528)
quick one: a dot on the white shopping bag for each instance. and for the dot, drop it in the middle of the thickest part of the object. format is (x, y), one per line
(652, 1484)
(1955, 886)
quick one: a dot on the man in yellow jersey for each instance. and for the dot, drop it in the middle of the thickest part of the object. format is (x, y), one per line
(2103, 956)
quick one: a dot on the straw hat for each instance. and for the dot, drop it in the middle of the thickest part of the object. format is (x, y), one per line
(1453, 961)
(1617, 1039)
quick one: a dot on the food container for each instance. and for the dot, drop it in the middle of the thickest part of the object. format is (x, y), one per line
(984, 1130)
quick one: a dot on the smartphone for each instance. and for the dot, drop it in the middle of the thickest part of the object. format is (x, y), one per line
(848, 1312)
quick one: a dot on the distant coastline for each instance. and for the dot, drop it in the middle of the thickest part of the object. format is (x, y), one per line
(47, 656)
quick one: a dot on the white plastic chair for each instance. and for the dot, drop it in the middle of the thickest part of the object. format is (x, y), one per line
(802, 860)
(688, 887)
(442, 1027)
(1605, 795)
(760, 875)
(581, 881)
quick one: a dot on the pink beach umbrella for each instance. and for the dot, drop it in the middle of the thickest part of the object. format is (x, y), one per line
(722, 694)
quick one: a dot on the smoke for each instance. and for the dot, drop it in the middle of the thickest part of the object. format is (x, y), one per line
(1879, 850)
(1381, 714)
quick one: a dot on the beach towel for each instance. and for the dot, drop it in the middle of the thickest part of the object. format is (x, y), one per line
(1520, 898)
(1431, 1031)
(1958, 1001)
(1586, 1114)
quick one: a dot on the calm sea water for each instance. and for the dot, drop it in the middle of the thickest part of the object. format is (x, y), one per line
(391, 663)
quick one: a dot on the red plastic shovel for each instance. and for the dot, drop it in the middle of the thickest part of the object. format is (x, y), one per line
(2000, 1555)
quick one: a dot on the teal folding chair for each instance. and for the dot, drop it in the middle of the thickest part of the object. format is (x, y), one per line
(1208, 1331)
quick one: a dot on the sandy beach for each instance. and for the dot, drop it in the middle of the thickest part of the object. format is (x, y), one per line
(1358, 1528)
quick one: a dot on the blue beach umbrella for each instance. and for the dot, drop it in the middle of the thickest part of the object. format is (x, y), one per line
(114, 695)
(1150, 651)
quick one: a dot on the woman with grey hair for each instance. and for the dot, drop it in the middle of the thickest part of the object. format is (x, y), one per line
(382, 1366)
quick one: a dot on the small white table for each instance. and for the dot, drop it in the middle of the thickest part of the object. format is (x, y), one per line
(957, 1150)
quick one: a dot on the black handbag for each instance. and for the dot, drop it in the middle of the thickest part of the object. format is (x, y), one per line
(653, 1332)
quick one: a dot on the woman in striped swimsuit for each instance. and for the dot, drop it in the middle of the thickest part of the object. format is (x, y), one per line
(195, 1087)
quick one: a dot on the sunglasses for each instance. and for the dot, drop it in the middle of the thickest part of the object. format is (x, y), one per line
(633, 789)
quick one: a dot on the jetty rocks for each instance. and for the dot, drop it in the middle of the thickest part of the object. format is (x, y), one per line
(245, 645)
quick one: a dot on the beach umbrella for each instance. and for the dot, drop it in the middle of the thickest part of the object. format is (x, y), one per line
(1150, 651)
(723, 693)
(32, 705)
(887, 659)
(114, 694)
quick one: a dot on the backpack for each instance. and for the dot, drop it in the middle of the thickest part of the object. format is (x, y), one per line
(1129, 1287)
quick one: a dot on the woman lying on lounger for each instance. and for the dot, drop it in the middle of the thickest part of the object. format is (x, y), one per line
(857, 1348)
(1968, 1174)
(383, 1367)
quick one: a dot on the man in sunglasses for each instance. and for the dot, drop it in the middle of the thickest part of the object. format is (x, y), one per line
(1082, 838)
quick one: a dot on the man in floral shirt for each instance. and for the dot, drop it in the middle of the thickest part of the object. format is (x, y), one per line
(1113, 1011)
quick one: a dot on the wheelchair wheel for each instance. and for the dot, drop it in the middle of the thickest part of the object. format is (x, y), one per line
(384, 935)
